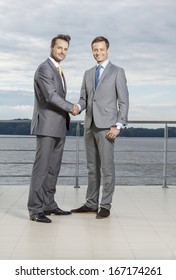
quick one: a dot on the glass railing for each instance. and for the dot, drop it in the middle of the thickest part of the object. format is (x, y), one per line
(138, 160)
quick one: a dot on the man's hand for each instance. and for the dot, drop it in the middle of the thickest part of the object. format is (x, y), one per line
(75, 110)
(112, 133)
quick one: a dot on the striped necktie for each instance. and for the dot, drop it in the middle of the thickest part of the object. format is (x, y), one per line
(59, 70)
(97, 75)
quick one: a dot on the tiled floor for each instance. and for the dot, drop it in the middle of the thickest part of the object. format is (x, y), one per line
(142, 225)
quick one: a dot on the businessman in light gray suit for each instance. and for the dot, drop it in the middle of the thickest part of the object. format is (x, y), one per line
(49, 123)
(104, 95)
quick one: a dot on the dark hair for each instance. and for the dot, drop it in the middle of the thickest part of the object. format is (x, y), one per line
(67, 38)
(100, 39)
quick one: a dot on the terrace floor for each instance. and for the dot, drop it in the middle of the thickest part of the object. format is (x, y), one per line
(142, 225)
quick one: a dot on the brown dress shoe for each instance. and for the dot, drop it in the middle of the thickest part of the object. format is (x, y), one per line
(84, 209)
(103, 213)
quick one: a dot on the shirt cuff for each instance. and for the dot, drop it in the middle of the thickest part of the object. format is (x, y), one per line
(120, 125)
(79, 107)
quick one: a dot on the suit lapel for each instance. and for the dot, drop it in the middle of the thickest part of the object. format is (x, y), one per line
(63, 83)
(93, 77)
(103, 76)
(105, 72)
(64, 86)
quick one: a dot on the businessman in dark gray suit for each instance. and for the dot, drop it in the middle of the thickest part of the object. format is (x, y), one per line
(49, 123)
(104, 95)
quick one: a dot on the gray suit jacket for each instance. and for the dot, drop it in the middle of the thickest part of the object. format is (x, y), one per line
(50, 107)
(109, 103)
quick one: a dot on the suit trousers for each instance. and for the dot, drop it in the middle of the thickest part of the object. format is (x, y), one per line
(100, 159)
(44, 175)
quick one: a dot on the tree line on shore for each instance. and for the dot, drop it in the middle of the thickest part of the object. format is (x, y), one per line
(16, 127)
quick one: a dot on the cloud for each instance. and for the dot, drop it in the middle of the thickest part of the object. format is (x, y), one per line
(15, 112)
(152, 112)
(142, 37)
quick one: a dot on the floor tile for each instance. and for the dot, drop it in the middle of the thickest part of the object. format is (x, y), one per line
(142, 225)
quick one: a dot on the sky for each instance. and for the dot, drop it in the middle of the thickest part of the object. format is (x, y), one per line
(142, 37)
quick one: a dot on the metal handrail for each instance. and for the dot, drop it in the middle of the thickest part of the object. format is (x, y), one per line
(78, 150)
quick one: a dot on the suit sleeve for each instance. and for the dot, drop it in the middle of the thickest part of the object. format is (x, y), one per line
(83, 94)
(123, 97)
(45, 81)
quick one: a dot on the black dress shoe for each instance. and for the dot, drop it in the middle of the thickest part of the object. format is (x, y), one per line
(103, 213)
(57, 211)
(84, 209)
(40, 217)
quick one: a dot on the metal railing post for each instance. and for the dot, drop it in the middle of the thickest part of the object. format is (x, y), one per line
(77, 155)
(165, 156)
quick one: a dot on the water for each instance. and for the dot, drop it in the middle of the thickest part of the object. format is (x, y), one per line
(139, 161)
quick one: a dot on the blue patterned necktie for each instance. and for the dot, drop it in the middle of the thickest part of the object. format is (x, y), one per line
(97, 75)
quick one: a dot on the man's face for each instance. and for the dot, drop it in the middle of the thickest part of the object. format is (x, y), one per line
(59, 51)
(100, 51)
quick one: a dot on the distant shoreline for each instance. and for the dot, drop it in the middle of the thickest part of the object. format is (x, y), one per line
(22, 127)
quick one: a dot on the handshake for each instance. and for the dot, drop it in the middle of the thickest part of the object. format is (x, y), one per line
(75, 111)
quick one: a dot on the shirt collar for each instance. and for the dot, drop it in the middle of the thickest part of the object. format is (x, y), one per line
(104, 64)
(54, 62)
